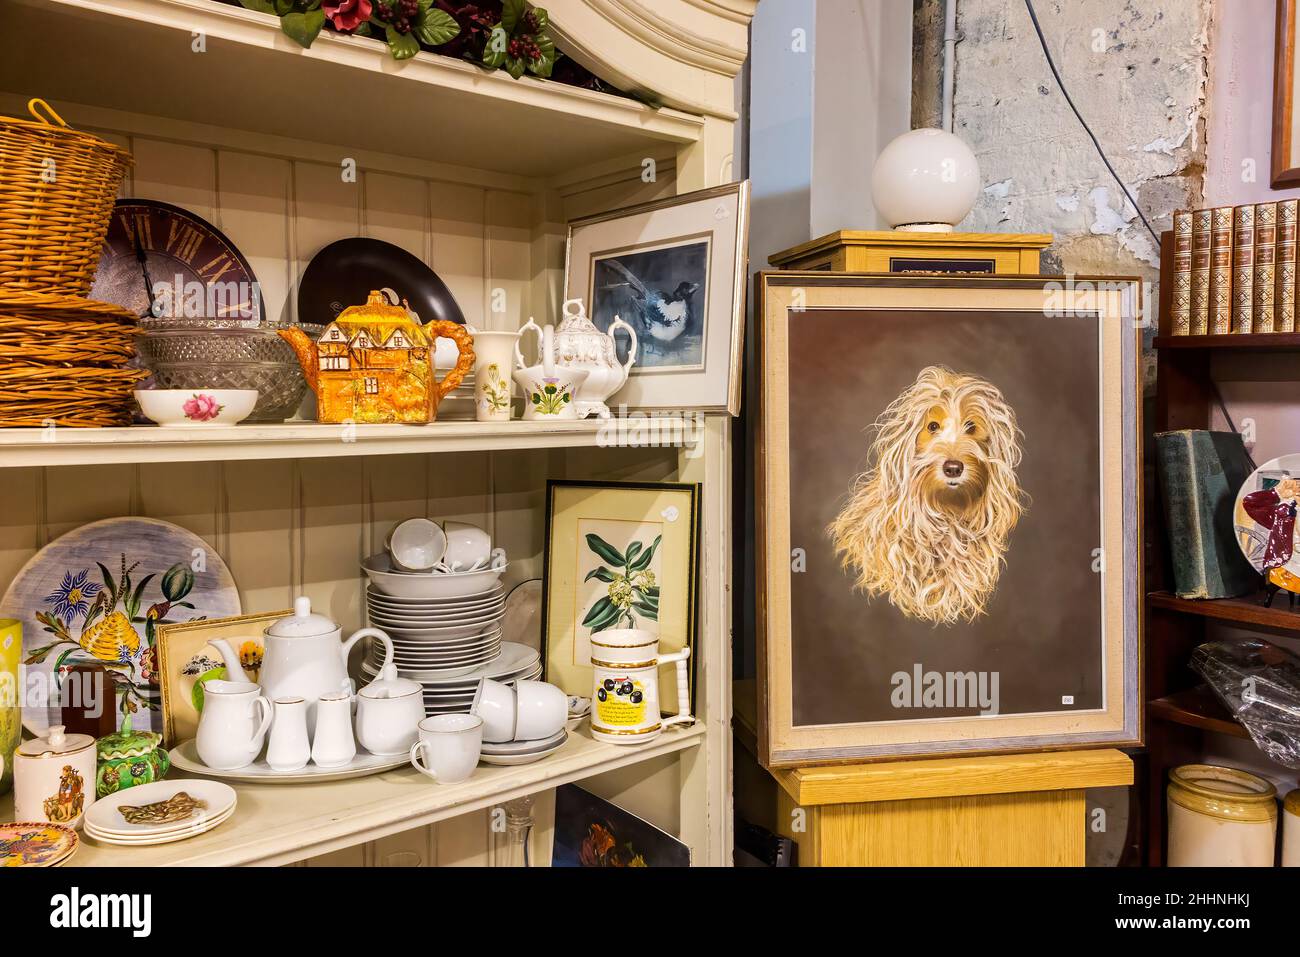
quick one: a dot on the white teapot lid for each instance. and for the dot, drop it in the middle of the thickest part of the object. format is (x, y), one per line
(303, 623)
(389, 685)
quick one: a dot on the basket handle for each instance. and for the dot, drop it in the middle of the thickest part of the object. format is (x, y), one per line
(45, 113)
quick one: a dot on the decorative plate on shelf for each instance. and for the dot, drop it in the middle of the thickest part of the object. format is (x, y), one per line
(344, 273)
(36, 844)
(1264, 519)
(163, 262)
(97, 596)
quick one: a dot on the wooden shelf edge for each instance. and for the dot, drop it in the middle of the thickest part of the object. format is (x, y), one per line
(1196, 708)
(1247, 610)
(1247, 341)
(957, 777)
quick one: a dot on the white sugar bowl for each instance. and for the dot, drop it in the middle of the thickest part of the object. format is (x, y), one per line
(389, 712)
(54, 778)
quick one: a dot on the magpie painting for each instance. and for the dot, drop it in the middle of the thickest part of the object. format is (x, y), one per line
(662, 293)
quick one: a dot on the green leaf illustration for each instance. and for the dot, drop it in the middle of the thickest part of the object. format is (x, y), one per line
(603, 614)
(603, 573)
(633, 550)
(644, 560)
(605, 550)
(647, 611)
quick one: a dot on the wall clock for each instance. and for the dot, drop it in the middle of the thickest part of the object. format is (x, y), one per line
(163, 262)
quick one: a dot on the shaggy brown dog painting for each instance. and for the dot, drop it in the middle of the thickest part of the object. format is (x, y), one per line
(927, 522)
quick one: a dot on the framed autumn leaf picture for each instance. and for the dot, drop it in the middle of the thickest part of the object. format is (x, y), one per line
(618, 555)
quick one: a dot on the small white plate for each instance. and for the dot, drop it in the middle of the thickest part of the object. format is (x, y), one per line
(487, 594)
(525, 757)
(166, 838)
(105, 814)
(524, 747)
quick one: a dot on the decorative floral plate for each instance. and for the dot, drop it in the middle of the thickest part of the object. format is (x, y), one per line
(1264, 519)
(97, 596)
(35, 844)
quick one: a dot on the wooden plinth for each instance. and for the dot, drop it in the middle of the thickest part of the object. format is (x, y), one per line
(902, 252)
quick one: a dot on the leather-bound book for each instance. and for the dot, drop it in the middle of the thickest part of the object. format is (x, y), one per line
(1243, 267)
(1221, 271)
(1284, 267)
(1200, 474)
(1200, 293)
(1265, 252)
(1181, 301)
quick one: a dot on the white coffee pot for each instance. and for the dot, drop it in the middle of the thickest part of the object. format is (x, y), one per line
(304, 656)
(579, 344)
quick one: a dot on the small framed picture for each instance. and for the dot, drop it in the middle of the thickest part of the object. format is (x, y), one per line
(674, 269)
(618, 555)
(187, 659)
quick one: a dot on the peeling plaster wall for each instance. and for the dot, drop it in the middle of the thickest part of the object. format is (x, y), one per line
(1137, 71)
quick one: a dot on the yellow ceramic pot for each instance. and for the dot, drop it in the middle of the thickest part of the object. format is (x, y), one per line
(1220, 817)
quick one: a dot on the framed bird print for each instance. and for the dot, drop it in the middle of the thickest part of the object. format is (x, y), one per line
(674, 270)
(948, 501)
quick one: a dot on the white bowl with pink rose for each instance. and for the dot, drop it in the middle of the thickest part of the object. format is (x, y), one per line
(195, 408)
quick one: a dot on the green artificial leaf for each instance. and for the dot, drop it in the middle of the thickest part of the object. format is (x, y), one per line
(516, 68)
(424, 4)
(543, 21)
(362, 30)
(543, 65)
(602, 615)
(303, 28)
(605, 550)
(402, 45)
(436, 27)
(494, 51)
(283, 7)
(603, 573)
(512, 12)
(261, 6)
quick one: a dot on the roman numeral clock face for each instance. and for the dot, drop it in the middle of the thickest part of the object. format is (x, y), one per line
(164, 262)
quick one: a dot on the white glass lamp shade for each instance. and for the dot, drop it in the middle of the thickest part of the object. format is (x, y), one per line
(925, 180)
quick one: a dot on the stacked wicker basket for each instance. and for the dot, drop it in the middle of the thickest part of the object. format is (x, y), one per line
(64, 359)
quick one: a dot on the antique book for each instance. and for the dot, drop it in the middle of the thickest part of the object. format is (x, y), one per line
(1243, 267)
(1221, 271)
(1265, 250)
(1200, 296)
(1200, 473)
(1284, 267)
(1181, 300)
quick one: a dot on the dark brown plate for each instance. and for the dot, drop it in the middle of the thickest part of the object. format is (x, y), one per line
(344, 272)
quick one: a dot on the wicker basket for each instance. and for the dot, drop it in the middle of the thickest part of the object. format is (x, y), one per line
(65, 360)
(57, 188)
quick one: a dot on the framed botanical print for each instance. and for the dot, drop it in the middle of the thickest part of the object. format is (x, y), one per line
(674, 270)
(948, 505)
(618, 555)
(186, 660)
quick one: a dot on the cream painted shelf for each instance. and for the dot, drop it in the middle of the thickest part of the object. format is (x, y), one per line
(275, 825)
(290, 440)
(118, 54)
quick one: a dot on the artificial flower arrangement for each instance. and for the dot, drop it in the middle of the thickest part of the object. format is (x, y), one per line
(499, 34)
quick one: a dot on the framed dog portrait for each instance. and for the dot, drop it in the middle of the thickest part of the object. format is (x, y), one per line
(948, 504)
(674, 270)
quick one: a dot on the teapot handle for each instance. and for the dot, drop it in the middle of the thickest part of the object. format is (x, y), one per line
(618, 323)
(372, 633)
(528, 326)
(464, 344)
(683, 715)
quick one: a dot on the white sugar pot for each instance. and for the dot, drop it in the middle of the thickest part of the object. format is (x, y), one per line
(305, 657)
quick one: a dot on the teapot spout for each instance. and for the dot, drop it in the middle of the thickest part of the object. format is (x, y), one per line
(234, 672)
(305, 350)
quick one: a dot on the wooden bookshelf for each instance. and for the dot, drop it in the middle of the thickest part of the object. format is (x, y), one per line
(1248, 611)
(1196, 708)
(1243, 342)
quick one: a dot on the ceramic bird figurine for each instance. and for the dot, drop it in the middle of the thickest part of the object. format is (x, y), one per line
(664, 315)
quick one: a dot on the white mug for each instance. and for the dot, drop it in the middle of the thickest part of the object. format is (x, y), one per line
(449, 747)
(333, 745)
(232, 724)
(494, 702)
(541, 710)
(290, 748)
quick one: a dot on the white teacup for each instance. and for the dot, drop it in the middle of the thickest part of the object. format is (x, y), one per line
(449, 747)
(495, 704)
(417, 544)
(541, 710)
(468, 547)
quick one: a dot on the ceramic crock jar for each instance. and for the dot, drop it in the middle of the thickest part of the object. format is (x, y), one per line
(1220, 817)
(54, 778)
(1291, 829)
(128, 758)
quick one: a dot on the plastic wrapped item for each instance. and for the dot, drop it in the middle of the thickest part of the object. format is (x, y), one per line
(1260, 684)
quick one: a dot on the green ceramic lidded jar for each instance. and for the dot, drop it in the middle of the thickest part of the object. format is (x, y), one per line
(128, 758)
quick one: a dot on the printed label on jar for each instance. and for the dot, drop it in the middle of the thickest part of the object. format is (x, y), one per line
(620, 702)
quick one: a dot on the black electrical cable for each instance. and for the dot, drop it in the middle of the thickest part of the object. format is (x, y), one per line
(1029, 5)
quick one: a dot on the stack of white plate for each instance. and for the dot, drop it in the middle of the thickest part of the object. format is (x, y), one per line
(450, 694)
(437, 637)
(106, 823)
(512, 753)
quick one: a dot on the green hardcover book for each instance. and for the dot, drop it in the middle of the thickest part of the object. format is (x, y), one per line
(1200, 475)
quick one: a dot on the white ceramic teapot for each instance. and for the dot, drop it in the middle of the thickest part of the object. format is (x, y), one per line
(580, 345)
(304, 656)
